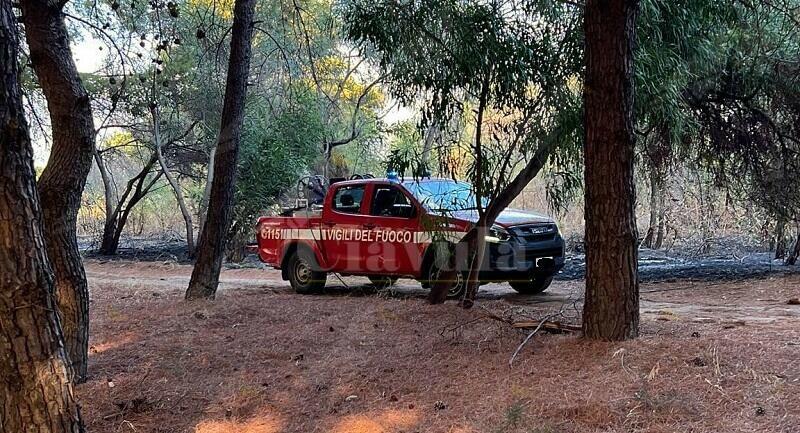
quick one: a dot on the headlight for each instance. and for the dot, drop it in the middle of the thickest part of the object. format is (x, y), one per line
(497, 234)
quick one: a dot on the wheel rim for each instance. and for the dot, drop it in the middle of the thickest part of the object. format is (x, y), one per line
(302, 272)
(457, 286)
(455, 289)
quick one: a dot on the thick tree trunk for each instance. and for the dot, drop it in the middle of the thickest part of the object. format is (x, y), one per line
(35, 391)
(62, 181)
(611, 309)
(205, 275)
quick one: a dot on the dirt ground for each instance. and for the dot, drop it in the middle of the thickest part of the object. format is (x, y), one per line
(712, 357)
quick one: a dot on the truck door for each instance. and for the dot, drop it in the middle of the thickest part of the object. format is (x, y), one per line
(393, 224)
(341, 228)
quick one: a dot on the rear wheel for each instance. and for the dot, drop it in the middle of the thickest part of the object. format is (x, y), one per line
(303, 276)
(537, 284)
(382, 282)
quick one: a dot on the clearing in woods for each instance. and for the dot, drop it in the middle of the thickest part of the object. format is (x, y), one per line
(713, 357)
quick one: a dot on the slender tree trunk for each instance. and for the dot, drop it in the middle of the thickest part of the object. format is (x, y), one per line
(205, 275)
(661, 231)
(611, 309)
(137, 188)
(173, 182)
(433, 136)
(780, 238)
(653, 224)
(503, 199)
(62, 181)
(206, 191)
(791, 259)
(35, 391)
(108, 193)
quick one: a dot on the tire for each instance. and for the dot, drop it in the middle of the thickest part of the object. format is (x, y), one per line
(303, 277)
(455, 292)
(382, 282)
(537, 284)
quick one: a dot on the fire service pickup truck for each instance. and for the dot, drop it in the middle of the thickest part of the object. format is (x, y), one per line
(387, 229)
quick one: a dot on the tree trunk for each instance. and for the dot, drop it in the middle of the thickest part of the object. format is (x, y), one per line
(438, 292)
(611, 308)
(110, 224)
(661, 231)
(35, 391)
(62, 181)
(173, 182)
(653, 224)
(791, 259)
(205, 275)
(433, 136)
(139, 187)
(780, 238)
(206, 191)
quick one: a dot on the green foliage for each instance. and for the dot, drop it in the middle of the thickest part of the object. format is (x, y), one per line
(275, 151)
(494, 77)
(678, 45)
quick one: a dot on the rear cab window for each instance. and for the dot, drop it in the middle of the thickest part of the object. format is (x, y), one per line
(347, 199)
(390, 201)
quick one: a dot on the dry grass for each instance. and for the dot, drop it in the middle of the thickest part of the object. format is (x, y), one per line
(261, 360)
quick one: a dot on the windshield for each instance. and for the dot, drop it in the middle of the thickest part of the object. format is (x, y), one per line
(443, 195)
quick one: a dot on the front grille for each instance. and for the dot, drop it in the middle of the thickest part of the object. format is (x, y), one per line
(536, 232)
(539, 238)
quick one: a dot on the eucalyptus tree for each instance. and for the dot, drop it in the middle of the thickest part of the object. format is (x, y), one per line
(507, 69)
(678, 46)
(35, 390)
(747, 112)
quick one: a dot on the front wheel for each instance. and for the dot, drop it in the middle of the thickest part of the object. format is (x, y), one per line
(537, 284)
(303, 277)
(458, 284)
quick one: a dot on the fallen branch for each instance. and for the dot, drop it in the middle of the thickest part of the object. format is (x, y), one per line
(546, 323)
(556, 327)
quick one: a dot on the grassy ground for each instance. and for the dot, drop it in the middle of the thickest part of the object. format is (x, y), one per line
(713, 357)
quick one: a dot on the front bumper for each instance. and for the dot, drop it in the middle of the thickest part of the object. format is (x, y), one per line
(519, 257)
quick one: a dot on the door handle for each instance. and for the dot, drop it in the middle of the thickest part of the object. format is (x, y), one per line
(329, 223)
(368, 226)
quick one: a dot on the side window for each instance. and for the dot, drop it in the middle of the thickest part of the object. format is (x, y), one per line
(390, 201)
(348, 199)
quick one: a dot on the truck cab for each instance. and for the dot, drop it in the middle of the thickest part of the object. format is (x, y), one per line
(387, 229)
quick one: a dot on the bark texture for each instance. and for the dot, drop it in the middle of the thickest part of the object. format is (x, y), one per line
(35, 391)
(210, 251)
(611, 309)
(62, 181)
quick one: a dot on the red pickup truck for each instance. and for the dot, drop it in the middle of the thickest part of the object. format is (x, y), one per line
(386, 229)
